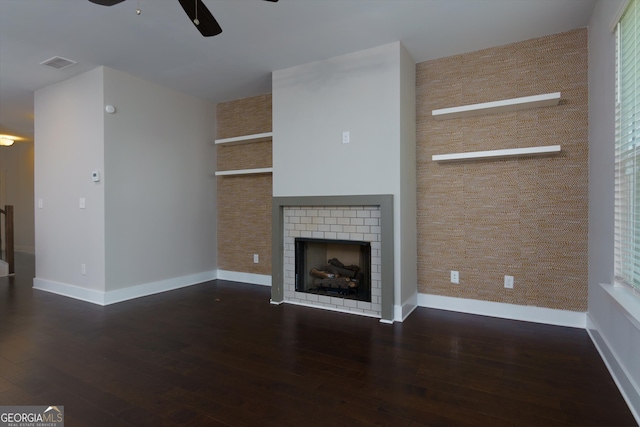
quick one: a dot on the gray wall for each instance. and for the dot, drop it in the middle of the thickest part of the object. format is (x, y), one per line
(159, 184)
(149, 223)
(68, 146)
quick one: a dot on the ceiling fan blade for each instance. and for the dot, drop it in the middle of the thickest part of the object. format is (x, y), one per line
(206, 23)
(106, 2)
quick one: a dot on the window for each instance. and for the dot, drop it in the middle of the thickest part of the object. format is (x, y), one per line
(627, 154)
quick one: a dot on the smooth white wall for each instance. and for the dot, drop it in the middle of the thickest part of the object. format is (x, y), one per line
(16, 163)
(314, 103)
(68, 145)
(371, 94)
(616, 334)
(159, 184)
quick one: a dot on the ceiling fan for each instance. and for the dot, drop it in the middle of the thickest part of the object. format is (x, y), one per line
(195, 10)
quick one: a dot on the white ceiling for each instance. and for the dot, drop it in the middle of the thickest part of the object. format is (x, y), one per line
(161, 44)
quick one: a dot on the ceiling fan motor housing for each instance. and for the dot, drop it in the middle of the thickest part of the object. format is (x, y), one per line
(197, 12)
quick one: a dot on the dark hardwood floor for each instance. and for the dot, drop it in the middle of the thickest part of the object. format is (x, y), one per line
(218, 354)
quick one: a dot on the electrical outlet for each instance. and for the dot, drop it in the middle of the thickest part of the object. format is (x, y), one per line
(508, 282)
(455, 277)
(256, 259)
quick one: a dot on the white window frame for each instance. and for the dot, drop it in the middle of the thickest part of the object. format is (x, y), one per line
(627, 148)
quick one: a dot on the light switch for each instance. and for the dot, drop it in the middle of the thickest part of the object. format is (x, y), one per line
(346, 138)
(82, 202)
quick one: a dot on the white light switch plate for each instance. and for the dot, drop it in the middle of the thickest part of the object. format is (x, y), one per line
(346, 138)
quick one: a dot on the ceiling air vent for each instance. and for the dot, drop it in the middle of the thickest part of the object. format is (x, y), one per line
(58, 63)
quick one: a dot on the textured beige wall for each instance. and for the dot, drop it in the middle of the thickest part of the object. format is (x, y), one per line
(244, 201)
(524, 217)
(244, 116)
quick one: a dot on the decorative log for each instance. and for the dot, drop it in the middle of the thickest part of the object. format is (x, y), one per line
(336, 262)
(339, 272)
(336, 283)
(321, 274)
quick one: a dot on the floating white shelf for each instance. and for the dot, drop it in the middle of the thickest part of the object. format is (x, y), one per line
(244, 171)
(502, 106)
(258, 137)
(495, 154)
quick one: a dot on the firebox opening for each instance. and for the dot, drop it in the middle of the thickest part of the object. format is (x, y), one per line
(336, 268)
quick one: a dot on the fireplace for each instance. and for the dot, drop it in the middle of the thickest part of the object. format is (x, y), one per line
(358, 219)
(338, 268)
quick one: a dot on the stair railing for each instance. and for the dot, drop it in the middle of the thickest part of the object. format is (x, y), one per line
(8, 232)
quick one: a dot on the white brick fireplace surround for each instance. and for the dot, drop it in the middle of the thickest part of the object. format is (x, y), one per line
(370, 218)
(351, 223)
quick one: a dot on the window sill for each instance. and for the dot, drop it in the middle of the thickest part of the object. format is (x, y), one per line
(627, 300)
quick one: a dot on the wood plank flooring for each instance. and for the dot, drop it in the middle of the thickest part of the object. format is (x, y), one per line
(218, 354)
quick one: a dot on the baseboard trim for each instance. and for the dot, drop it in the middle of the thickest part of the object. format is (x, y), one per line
(145, 289)
(401, 312)
(629, 392)
(124, 294)
(543, 315)
(252, 278)
(70, 291)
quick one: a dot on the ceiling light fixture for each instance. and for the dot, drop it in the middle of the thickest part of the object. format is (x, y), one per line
(6, 142)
